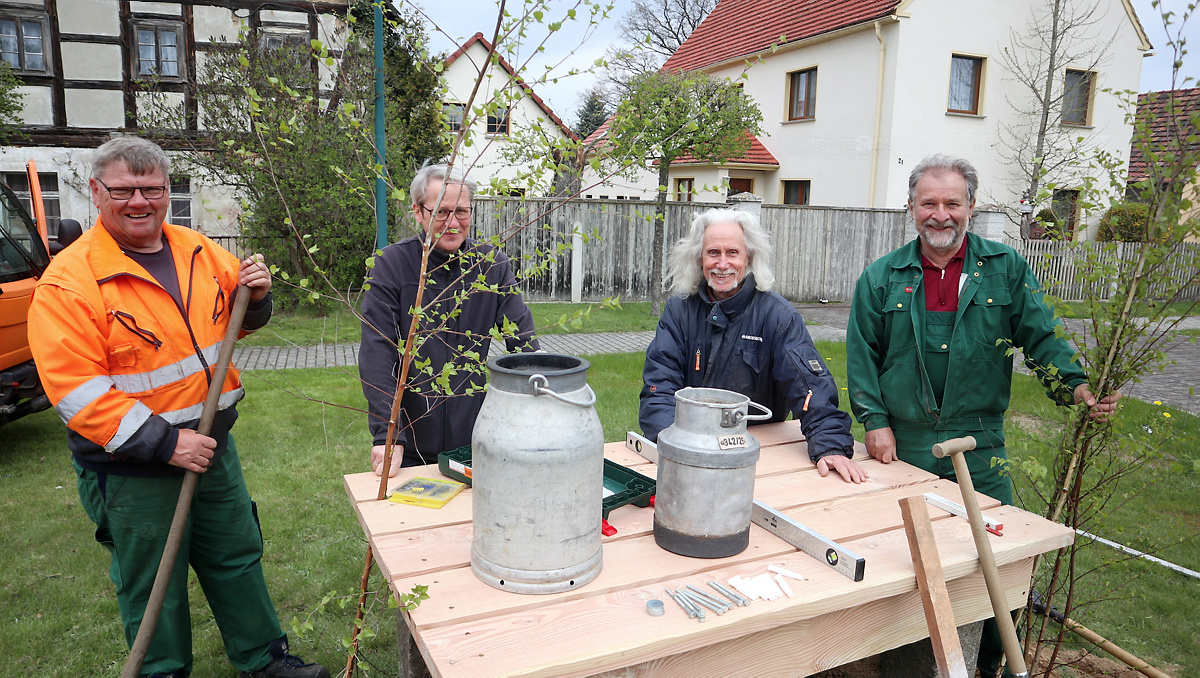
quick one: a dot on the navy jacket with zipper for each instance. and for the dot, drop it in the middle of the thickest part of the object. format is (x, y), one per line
(754, 343)
(466, 295)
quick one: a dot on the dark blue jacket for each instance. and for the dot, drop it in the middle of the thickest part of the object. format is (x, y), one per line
(754, 343)
(438, 408)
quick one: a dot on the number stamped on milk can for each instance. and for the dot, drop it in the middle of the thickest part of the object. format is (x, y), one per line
(732, 441)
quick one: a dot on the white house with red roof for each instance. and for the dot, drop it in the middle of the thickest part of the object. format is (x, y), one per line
(855, 92)
(506, 117)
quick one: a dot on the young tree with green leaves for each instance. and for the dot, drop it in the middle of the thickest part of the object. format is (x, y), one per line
(671, 115)
(1128, 323)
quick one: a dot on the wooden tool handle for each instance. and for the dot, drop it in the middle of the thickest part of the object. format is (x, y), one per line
(954, 446)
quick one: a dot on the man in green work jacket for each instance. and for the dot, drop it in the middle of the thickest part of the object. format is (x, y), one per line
(928, 339)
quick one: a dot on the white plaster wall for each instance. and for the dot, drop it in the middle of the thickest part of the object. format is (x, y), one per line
(163, 8)
(85, 61)
(73, 168)
(36, 105)
(919, 125)
(484, 158)
(833, 149)
(280, 16)
(94, 108)
(216, 24)
(92, 17)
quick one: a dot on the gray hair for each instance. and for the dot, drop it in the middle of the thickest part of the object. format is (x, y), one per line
(142, 156)
(443, 173)
(684, 274)
(940, 163)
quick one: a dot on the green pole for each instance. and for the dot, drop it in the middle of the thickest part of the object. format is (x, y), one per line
(381, 220)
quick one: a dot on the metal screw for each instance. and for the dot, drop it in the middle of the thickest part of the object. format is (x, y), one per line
(704, 596)
(732, 595)
(719, 609)
(690, 603)
(691, 613)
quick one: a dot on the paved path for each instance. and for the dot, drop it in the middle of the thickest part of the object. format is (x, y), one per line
(826, 322)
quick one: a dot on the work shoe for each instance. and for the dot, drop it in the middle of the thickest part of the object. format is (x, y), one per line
(289, 666)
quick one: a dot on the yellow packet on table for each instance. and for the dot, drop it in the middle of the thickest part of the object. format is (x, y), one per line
(428, 492)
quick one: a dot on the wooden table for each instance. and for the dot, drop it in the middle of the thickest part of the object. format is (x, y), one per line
(468, 628)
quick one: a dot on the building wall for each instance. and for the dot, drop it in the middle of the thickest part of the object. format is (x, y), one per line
(484, 158)
(834, 149)
(90, 90)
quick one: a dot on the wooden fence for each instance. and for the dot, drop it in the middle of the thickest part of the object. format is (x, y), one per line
(1064, 268)
(587, 250)
(592, 249)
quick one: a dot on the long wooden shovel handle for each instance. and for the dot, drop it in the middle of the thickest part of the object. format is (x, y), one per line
(987, 560)
(141, 643)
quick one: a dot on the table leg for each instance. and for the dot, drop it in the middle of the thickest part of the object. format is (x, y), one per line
(412, 664)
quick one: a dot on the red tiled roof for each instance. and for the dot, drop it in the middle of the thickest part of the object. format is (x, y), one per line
(1168, 117)
(757, 155)
(487, 44)
(739, 28)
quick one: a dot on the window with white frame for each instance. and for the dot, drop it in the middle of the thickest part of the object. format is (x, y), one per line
(181, 201)
(23, 43)
(19, 183)
(282, 39)
(455, 114)
(966, 76)
(1077, 97)
(159, 50)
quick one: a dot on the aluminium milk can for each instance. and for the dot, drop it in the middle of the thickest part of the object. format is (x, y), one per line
(537, 456)
(706, 474)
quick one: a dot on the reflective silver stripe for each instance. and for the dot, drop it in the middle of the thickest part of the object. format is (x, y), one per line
(130, 423)
(194, 411)
(74, 402)
(168, 374)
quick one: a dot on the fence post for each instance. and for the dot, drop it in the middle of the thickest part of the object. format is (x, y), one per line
(577, 262)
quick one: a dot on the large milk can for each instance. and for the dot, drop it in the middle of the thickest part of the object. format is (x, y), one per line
(537, 455)
(706, 474)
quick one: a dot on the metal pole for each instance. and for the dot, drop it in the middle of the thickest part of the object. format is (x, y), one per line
(381, 220)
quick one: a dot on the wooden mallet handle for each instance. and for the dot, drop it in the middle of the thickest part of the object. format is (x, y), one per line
(954, 448)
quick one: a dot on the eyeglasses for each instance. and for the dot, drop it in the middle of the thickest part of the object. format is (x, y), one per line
(462, 213)
(126, 192)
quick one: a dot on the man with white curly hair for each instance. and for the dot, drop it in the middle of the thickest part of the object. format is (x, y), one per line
(725, 328)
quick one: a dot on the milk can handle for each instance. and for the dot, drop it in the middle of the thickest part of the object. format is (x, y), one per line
(759, 417)
(541, 387)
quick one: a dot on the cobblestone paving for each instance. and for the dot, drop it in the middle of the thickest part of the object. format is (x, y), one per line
(826, 322)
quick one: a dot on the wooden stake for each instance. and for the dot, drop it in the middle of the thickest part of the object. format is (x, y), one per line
(943, 632)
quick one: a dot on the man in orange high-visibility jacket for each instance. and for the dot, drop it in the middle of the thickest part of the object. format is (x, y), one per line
(125, 327)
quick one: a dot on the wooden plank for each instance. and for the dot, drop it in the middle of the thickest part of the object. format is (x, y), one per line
(498, 644)
(931, 583)
(875, 627)
(636, 562)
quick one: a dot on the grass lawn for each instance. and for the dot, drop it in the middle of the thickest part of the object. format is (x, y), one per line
(1076, 309)
(61, 616)
(304, 326)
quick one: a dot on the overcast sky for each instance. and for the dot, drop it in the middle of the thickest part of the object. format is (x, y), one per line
(463, 18)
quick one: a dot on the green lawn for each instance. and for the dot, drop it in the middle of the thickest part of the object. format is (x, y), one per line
(60, 616)
(306, 326)
(1077, 309)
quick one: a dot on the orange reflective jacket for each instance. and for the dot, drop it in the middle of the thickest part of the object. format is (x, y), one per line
(121, 361)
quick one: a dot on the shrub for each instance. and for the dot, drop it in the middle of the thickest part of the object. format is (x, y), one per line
(1127, 221)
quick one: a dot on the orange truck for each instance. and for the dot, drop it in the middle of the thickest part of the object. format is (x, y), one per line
(25, 252)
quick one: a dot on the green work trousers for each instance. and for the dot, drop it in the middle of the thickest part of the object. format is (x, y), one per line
(222, 543)
(915, 446)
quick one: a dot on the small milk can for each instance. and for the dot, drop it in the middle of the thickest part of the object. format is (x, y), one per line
(537, 455)
(706, 474)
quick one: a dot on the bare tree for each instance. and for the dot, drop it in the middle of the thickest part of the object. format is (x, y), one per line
(653, 29)
(1048, 137)
(663, 25)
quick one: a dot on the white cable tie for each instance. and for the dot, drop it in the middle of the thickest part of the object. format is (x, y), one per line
(784, 585)
(785, 572)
